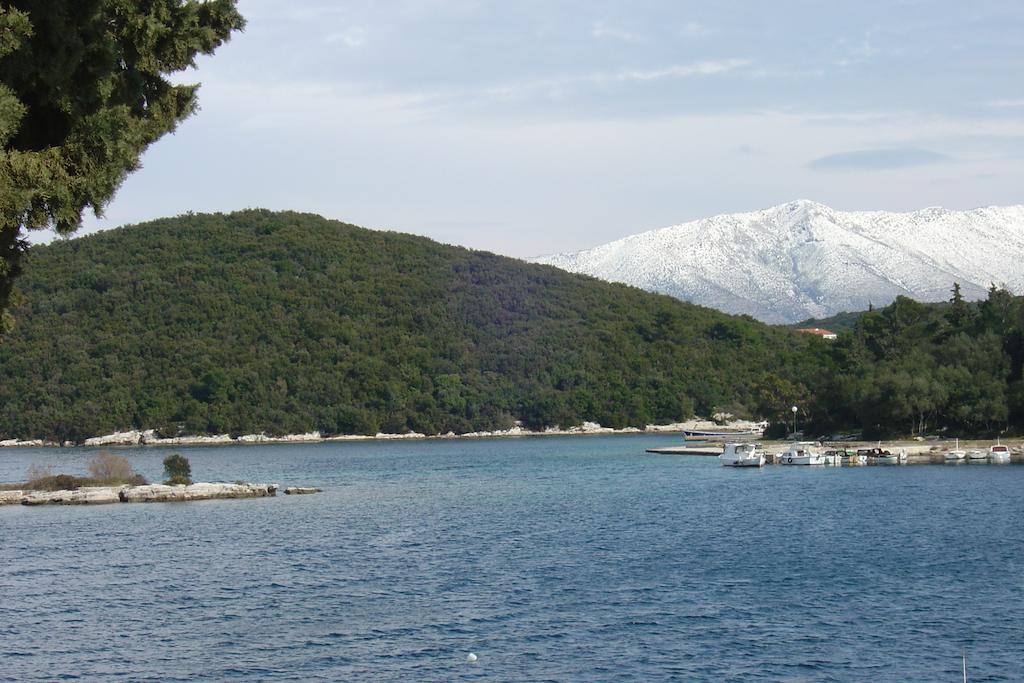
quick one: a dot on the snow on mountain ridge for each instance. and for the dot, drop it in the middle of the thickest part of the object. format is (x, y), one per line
(803, 259)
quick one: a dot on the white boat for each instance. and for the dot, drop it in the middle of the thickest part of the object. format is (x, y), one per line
(833, 457)
(977, 454)
(742, 455)
(957, 453)
(852, 457)
(999, 453)
(802, 454)
(880, 456)
(843, 456)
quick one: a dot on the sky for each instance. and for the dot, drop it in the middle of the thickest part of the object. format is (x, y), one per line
(540, 126)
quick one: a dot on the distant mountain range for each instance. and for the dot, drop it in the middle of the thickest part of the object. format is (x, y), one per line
(805, 260)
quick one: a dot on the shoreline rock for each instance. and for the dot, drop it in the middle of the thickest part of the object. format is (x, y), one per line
(11, 497)
(87, 495)
(148, 437)
(301, 490)
(149, 493)
(157, 493)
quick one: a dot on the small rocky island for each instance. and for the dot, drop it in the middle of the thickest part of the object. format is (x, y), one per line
(148, 493)
(112, 480)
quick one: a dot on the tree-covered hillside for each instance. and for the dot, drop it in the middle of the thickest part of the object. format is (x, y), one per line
(912, 368)
(284, 322)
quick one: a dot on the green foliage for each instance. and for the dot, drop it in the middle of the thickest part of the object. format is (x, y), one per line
(177, 469)
(913, 368)
(288, 323)
(83, 93)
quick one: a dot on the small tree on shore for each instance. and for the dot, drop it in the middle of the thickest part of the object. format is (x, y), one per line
(178, 469)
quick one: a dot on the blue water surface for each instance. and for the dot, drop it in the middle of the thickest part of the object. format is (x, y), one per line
(555, 558)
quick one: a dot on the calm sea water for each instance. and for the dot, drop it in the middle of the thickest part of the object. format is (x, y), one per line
(562, 559)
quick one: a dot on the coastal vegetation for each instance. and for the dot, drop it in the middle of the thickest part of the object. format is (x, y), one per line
(177, 469)
(911, 368)
(105, 469)
(84, 90)
(287, 323)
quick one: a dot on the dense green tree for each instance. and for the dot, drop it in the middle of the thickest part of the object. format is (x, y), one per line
(177, 469)
(83, 92)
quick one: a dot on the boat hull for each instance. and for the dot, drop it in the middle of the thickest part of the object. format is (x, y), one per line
(757, 461)
(787, 459)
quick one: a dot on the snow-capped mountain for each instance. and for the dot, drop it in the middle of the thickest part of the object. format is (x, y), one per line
(802, 259)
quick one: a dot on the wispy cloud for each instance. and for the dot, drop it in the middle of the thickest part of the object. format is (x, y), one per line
(601, 30)
(351, 37)
(562, 86)
(693, 29)
(709, 68)
(1006, 104)
(878, 159)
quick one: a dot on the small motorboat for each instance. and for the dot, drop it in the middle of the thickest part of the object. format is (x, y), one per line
(977, 455)
(802, 454)
(844, 456)
(833, 457)
(852, 457)
(999, 453)
(881, 456)
(742, 455)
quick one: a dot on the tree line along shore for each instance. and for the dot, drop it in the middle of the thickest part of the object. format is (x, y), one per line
(261, 322)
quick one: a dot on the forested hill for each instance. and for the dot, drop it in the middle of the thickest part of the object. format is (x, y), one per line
(285, 323)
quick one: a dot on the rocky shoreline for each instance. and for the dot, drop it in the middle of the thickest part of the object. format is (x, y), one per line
(148, 493)
(149, 437)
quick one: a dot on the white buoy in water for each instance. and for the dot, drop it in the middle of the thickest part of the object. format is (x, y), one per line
(471, 658)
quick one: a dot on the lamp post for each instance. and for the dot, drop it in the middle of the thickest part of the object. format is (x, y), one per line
(794, 409)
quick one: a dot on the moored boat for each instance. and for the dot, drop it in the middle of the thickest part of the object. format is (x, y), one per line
(881, 456)
(852, 457)
(802, 454)
(843, 456)
(999, 453)
(742, 455)
(977, 454)
(833, 457)
(957, 453)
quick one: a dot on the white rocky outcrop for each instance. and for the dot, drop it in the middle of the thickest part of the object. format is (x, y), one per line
(150, 493)
(154, 493)
(301, 490)
(11, 497)
(87, 495)
(397, 437)
(129, 438)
